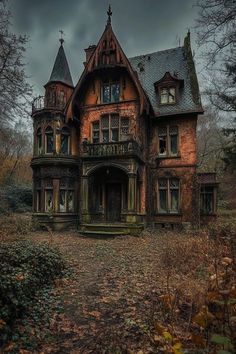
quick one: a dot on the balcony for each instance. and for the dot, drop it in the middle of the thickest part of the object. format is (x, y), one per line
(42, 102)
(121, 148)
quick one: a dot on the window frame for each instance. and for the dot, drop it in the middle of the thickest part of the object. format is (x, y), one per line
(203, 194)
(67, 190)
(168, 190)
(110, 82)
(66, 132)
(168, 136)
(46, 134)
(168, 88)
(110, 128)
(39, 133)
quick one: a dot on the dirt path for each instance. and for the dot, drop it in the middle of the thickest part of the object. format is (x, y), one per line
(109, 306)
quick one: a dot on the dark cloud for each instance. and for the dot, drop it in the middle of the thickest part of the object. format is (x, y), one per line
(141, 26)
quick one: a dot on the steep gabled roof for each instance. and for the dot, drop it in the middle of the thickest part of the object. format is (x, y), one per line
(61, 71)
(108, 53)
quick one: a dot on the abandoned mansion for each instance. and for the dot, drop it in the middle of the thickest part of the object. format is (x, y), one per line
(117, 152)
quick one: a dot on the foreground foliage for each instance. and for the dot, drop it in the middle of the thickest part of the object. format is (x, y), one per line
(25, 268)
(158, 293)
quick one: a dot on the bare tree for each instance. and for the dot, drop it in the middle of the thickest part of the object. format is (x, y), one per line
(15, 92)
(216, 32)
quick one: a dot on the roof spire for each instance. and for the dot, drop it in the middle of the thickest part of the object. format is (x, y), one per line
(61, 40)
(61, 71)
(109, 13)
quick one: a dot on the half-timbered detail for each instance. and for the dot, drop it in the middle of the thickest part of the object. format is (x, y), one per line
(117, 152)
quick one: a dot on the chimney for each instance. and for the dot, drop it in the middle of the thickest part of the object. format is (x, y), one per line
(89, 51)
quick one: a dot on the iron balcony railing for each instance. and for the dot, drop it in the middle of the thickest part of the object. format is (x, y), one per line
(121, 148)
(41, 102)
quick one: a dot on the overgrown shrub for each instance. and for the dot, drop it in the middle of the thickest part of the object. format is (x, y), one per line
(15, 198)
(25, 268)
(15, 224)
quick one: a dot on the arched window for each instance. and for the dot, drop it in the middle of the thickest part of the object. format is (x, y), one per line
(49, 140)
(39, 142)
(65, 141)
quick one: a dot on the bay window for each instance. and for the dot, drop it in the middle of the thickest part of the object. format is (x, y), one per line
(49, 140)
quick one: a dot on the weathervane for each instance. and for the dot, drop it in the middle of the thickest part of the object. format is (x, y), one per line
(61, 40)
(109, 13)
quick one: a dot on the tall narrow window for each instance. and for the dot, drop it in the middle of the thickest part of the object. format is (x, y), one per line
(39, 142)
(115, 127)
(96, 132)
(124, 128)
(105, 128)
(207, 200)
(110, 91)
(168, 141)
(49, 140)
(174, 194)
(173, 133)
(49, 200)
(162, 133)
(168, 195)
(163, 185)
(65, 141)
(66, 196)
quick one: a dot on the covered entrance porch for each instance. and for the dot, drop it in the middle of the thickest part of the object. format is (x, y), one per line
(110, 203)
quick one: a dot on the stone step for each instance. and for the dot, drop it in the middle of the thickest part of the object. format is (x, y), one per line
(110, 229)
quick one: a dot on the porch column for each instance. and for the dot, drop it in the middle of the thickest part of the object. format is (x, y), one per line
(84, 199)
(132, 186)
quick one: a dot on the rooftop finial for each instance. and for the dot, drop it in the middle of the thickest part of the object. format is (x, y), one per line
(109, 13)
(61, 40)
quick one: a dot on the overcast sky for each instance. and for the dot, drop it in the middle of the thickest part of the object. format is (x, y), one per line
(141, 26)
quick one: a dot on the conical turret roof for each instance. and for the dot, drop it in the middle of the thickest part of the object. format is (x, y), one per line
(61, 71)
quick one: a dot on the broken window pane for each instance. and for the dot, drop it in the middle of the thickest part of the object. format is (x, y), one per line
(171, 95)
(164, 95)
(105, 136)
(48, 200)
(162, 145)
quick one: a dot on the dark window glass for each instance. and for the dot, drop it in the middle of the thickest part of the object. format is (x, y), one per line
(70, 195)
(105, 93)
(163, 199)
(49, 140)
(110, 91)
(207, 200)
(105, 136)
(173, 144)
(38, 200)
(65, 141)
(39, 142)
(115, 92)
(95, 132)
(162, 145)
(115, 135)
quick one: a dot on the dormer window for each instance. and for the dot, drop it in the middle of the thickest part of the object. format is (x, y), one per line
(110, 91)
(167, 95)
(168, 88)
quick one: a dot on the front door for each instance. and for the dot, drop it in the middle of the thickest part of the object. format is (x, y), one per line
(113, 202)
